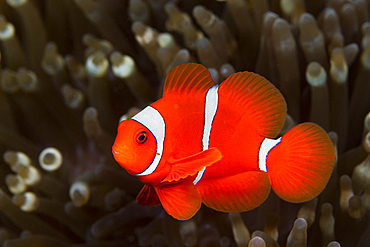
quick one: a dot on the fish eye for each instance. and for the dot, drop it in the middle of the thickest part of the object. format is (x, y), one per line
(141, 137)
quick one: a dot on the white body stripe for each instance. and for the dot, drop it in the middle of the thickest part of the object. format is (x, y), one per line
(266, 146)
(209, 114)
(211, 106)
(153, 121)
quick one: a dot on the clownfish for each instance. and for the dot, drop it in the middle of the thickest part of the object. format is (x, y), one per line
(215, 144)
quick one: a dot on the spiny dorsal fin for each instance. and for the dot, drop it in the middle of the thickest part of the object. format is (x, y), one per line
(186, 78)
(259, 100)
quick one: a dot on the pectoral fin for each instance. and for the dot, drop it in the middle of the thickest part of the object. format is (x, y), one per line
(188, 166)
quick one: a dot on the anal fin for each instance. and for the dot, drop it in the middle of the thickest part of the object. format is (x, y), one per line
(238, 193)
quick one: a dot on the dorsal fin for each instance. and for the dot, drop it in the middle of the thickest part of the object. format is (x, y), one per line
(186, 78)
(259, 100)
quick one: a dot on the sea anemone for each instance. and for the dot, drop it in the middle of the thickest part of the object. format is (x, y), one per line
(72, 69)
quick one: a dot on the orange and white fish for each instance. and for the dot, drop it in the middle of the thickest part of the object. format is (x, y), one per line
(214, 144)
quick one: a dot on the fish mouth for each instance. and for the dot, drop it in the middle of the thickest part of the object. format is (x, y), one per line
(122, 153)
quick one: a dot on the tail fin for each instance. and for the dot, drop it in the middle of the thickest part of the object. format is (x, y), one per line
(300, 166)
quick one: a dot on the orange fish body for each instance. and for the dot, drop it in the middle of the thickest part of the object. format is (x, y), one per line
(214, 144)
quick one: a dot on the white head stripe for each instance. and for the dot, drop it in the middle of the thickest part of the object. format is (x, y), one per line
(153, 121)
(211, 106)
(266, 146)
